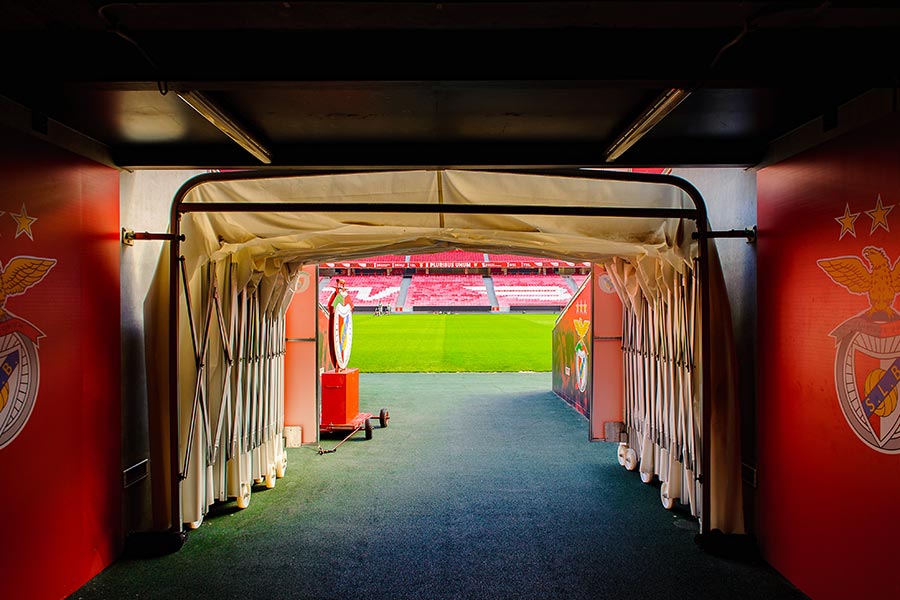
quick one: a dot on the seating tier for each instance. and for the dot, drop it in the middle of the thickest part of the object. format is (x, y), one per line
(367, 290)
(446, 290)
(531, 290)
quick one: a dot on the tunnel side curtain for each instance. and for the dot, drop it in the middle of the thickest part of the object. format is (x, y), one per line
(233, 425)
(662, 373)
(267, 242)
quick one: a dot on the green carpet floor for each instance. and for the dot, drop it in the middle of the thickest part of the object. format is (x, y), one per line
(482, 486)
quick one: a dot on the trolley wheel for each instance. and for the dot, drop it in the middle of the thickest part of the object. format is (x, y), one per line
(243, 499)
(620, 452)
(196, 524)
(368, 429)
(270, 477)
(281, 467)
(667, 502)
(631, 459)
(383, 417)
(646, 477)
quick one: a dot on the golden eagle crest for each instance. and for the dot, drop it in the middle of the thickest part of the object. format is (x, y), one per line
(880, 281)
(582, 326)
(18, 342)
(20, 274)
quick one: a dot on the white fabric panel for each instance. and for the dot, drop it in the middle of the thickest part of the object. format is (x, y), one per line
(662, 373)
(237, 436)
(267, 241)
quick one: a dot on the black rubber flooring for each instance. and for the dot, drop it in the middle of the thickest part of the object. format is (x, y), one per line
(482, 486)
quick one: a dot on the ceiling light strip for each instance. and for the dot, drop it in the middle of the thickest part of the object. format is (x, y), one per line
(663, 105)
(226, 124)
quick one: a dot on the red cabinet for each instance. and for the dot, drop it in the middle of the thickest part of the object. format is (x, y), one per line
(340, 396)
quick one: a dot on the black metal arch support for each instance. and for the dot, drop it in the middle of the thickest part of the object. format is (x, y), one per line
(749, 233)
(697, 214)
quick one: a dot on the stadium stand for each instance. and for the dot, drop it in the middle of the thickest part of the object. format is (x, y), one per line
(515, 258)
(386, 258)
(451, 256)
(436, 291)
(453, 280)
(531, 290)
(368, 290)
(325, 289)
(515, 261)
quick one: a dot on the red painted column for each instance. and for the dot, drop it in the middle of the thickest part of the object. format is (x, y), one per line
(301, 371)
(607, 345)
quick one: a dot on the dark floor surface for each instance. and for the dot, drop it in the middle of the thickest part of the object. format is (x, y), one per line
(482, 486)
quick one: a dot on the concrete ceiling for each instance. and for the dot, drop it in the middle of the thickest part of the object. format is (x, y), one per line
(453, 84)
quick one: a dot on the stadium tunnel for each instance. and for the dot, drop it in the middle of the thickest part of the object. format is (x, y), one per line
(238, 245)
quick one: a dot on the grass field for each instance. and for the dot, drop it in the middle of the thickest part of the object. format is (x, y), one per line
(452, 343)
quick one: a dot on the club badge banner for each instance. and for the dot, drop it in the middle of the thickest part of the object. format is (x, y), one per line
(340, 310)
(572, 361)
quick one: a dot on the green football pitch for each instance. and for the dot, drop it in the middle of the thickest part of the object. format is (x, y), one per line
(452, 343)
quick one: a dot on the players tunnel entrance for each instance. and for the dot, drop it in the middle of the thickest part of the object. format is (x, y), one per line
(240, 241)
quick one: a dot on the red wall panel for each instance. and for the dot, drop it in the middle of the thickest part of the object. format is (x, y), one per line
(824, 492)
(62, 471)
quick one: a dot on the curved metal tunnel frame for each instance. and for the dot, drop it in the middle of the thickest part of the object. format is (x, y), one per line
(697, 214)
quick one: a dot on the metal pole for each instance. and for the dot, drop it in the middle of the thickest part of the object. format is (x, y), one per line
(706, 377)
(174, 264)
(749, 234)
(456, 209)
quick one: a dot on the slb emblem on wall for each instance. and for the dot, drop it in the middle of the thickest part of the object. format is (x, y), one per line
(19, 366)
(582, 326)
(867, 363)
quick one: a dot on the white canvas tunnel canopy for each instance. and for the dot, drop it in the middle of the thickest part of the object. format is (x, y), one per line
(246, 234)
(274, 238)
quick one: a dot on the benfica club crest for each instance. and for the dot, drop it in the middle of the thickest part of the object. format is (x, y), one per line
(19, 366)
(867, 364)
(340, 313)
(581, 354)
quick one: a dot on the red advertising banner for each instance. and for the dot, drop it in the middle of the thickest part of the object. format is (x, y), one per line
(456, 264)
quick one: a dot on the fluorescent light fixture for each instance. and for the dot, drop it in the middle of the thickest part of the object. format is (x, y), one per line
(224, 123)
(663, 105)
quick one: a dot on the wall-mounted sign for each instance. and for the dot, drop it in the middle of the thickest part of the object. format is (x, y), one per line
(605, 284)
(572, 337)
